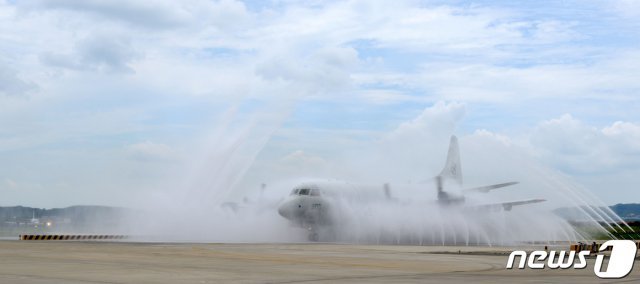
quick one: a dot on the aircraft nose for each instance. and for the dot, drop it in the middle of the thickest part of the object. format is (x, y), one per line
(283, 211)
(287, 209)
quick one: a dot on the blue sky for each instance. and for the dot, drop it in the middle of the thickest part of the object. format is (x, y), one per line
(102, 100)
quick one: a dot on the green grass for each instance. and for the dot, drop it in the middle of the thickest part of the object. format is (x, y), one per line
(626, 234)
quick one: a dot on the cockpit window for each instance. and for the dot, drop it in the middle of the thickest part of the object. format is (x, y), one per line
(306, 191)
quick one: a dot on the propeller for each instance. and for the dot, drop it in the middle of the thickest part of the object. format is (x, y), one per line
(387, 191)
(443, 197)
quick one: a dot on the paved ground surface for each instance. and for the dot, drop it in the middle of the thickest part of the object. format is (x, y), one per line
(103, 262)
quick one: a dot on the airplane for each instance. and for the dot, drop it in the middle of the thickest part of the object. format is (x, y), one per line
(316, 205)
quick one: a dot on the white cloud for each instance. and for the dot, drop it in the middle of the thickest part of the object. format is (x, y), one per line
(602, 159)
(151, 152)
(324, 70)
(612, 79)
(388, 97)
(411, 152)
(579, 148)
(151, 14)
(621, 128)
(11, 84)
(106, 53)
(405, 26)
(626, 8)
(439, 119)
(485, 134)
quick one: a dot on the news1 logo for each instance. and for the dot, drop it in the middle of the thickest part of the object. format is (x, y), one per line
(621, 259)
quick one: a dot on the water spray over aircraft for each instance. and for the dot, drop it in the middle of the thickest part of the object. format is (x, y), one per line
(437, 211)
(323, 208)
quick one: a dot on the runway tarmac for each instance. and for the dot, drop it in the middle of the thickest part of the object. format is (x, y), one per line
(119, 262)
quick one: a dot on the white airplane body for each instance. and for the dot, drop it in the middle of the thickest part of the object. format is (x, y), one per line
(324, 205)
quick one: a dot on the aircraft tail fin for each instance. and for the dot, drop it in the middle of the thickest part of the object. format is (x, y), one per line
(452, 167)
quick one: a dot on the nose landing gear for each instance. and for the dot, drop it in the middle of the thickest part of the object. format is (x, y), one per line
(313, 235)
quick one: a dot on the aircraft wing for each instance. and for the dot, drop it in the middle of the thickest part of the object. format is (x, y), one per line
(506, 206)
(485, 189)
